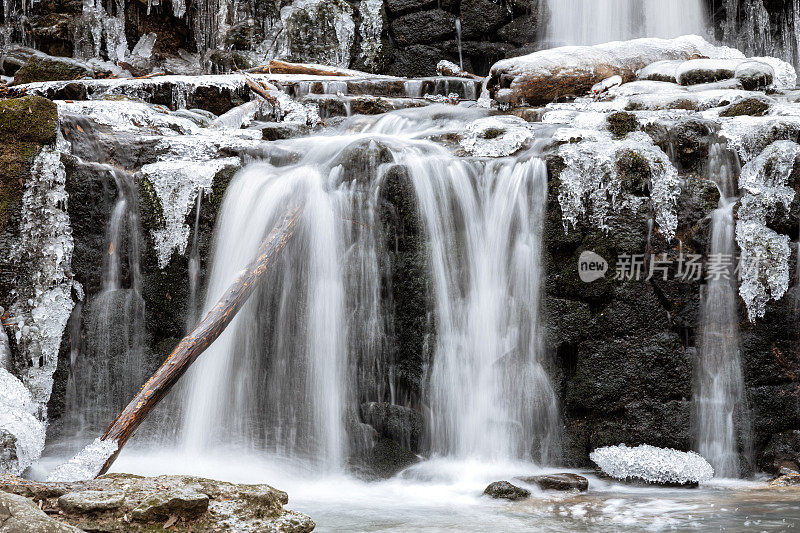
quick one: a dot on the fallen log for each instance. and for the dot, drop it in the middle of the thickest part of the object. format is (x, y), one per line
(542, 77)
(206, 332)
(282, 67)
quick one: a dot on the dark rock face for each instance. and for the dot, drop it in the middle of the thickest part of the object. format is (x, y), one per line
(782, 452)
(423, 27)
(387, 458)
(395, 422)
(506, 491)
(565, 481)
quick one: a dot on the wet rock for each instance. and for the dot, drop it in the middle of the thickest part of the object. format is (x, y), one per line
(687, 140)
(395, 422)
(520, 31)
(782, 452)
(754, 107)
(416, 60)
(423, 27)
(565, 481)
(89, 501)
(621, 123)
(480, 17)
(403, 6)
(387, 458)
(51, 69)
(506, 491)
(788, 480)
(274, 131)
(20, 515)
(182, 502)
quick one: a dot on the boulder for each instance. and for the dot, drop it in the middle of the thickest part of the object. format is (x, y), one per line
(20, 515)
(565, 481)
(182, 502)
(42, 68)
(648, 464)
(660, 71)
(754, 107)
(387, 458)
(520, 31)
(782, 452)
(401, 424)
(544, 76)
(404, 6)
(754, 75)
(699, 71)
(480, 17)
(423, 27)
(90, 501)
(506, 491)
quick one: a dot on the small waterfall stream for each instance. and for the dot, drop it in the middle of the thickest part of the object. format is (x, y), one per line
(719, 388)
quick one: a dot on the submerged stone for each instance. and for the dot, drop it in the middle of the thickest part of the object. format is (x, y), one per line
(565, 481)
(506, 491)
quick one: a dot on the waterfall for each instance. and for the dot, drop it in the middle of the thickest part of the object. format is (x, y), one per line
(585, 22)
(286, 374)
(719, 386)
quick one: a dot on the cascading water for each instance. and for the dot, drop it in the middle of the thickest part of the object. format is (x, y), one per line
(719, 385)
(279, 377)
(585, 22)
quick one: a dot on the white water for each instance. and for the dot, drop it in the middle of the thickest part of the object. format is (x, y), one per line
(586, 22)
(719, 385)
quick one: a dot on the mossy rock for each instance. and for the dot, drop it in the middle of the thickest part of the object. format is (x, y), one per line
(26, 124)
(754, 107)
(621, 123)
(634, 172)
(48, 69)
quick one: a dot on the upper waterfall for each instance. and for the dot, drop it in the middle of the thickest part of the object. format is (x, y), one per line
(586, 22)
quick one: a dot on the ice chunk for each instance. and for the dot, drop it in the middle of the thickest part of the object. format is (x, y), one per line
(495, 136)
(765, 253)
(652, 465)
(370, 30)
(754, 75)
(785, 74)
(86, 464)
(21, 433)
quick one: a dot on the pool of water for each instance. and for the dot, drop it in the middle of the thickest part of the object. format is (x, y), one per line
(446, 495)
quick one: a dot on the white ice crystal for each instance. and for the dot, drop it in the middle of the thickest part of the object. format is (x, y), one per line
(495, 136)
(23, 432)
(590, 181)
(749, 136)
(652, 464)
(370, 30)
(86, 464)
(177, 184)
(765, 253)
(45, 248)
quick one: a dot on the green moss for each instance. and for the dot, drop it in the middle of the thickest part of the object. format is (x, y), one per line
(46, 69)
(26, 124)
(621, 123)
(493, 133)
(683, 103)
(150, 209)
(634, 172)
(753, 107)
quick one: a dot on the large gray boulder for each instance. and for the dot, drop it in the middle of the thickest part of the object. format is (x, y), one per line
(20, 515)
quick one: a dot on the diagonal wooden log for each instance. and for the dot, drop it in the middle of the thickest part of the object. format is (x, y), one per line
(201, 337)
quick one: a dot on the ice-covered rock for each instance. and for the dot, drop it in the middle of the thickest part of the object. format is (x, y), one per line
(319, 30)
(666, 70)
(21, 432)
(662, 466)
(754, 75)
(591, 181)
(370, 31)
(86, 464)
(697, 71)
(785, 76)
(495, 136)
(45, 249)
(765, 253)
(603, 86)
(749, 135)
(177, 184)
(543, 76)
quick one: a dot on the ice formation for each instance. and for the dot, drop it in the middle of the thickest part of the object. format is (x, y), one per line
(86, 464)
(652, 464)
(765, 253)
(177, 184)
(495, 136)
(44, 303)
(591, 182)
(21, 432)
(320, 16)
(370, 31)
(749, 136)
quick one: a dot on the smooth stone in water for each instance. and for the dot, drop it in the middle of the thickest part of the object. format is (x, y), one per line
(505, 490)
(89, 501)
(564, 481)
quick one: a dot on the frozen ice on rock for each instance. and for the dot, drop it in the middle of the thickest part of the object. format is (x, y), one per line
(785, 76)
(21, 432)
(664, 466)
(495, 136)
(86, 464)
(370, 30)
(664, 71)
(696, 71)
(765, 253)
(603, 86)
(590, 181)
(44, 303)
(177, 184)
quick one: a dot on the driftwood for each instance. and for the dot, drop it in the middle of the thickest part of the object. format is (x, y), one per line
(282, 67)
(206, 332)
